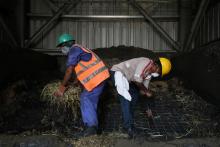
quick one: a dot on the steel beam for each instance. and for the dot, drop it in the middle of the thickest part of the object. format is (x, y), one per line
(196, 23)
(57, 52)
(21, 22)
(185, 21)
(51, 5)
(65, 7)
(123, 1)
(152, 7)
(174, 44)
(7, 30)
(172, 18)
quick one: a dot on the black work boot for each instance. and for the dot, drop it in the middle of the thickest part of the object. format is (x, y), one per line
(130, 131)
(87, 132)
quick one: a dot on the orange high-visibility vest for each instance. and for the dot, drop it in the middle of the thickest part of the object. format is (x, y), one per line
(91, 73)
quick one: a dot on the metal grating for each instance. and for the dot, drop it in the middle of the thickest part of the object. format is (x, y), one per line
(176, 113)
(166, 121)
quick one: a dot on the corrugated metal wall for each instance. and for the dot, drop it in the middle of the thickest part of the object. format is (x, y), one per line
(210, 27)
(100, 33)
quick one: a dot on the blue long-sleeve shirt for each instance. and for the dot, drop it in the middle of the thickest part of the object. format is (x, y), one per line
(75, 55)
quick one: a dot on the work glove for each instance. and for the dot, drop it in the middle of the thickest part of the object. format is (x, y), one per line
(60, 91)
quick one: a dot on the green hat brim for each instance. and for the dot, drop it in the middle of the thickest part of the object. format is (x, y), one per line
(60, 44)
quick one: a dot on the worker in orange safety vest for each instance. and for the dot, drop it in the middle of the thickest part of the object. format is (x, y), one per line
(91, 73)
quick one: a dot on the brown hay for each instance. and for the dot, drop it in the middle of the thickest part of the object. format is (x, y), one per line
(104, 140)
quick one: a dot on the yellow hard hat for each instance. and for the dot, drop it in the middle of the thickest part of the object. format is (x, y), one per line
(166, 65)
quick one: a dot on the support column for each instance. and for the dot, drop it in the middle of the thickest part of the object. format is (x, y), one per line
(20, 21)
(196, 23)
(185, 22)
(8, 31)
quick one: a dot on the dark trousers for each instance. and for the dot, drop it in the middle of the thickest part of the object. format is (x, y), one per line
(127, 106)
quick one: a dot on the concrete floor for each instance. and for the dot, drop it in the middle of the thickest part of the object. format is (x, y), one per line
(56, 141)
(197, 142)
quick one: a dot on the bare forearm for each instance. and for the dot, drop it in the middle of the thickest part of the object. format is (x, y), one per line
(141, 86)
(67, 76)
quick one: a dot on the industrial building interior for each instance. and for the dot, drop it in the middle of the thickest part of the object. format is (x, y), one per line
(184, 109)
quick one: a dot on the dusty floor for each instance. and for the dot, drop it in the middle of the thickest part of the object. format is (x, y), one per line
(101, 141)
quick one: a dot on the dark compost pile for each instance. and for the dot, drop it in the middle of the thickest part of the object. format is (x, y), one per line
(201, 69)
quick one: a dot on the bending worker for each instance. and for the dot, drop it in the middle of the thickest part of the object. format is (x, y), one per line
(128, 77)
(91, 72)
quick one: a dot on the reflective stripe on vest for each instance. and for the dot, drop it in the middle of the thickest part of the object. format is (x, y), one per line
(91, 73)
(94, 74)
(84, 68)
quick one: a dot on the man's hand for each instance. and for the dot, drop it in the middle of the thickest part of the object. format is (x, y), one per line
(149, 113)
(62, 87)
(60, 91)
(144, 91)
(147, 92)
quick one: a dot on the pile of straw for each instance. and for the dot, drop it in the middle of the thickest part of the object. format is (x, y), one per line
(68, 103)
